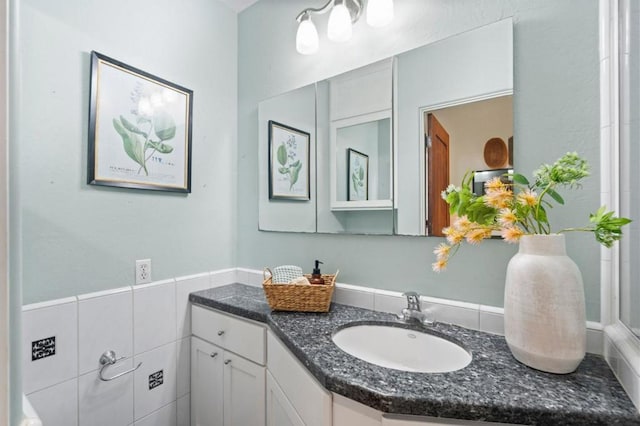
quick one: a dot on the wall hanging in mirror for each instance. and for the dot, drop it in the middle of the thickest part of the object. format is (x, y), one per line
(289, 176)
(139, 129)
(495, 153)
(357, 176)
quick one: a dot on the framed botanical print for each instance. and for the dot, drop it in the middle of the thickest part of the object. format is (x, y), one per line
(139, 129)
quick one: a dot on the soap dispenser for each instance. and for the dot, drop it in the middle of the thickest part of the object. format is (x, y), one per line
(316, 276)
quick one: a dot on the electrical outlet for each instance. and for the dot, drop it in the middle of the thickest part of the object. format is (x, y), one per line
(143, 271)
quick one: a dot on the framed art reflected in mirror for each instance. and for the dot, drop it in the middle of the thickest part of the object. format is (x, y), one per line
(289, 173)
(357, 175)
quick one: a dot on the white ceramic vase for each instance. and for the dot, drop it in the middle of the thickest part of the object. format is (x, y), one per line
(544, 310)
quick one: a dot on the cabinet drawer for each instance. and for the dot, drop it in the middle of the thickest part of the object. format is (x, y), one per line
(234, 334)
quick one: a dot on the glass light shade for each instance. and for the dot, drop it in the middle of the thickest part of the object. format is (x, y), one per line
(339, 27)
(307, 37)
(379, 12)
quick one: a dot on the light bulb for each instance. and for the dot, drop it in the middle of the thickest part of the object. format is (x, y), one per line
(307, 37)
(379, 12)
(339, 28)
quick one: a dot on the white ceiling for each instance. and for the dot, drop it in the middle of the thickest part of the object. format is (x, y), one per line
(239, 5)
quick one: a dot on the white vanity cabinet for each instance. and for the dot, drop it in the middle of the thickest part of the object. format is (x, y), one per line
(227, 370)
(230, 385)
(294, 397)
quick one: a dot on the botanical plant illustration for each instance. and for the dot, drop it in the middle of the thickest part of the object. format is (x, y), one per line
(519, 208)
(289, 165)
(150, 127)
(357, 176)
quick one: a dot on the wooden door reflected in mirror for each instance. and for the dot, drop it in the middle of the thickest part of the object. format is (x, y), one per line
(438, 176)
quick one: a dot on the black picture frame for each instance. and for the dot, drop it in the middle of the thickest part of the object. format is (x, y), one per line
(289, 163)
(139, 129)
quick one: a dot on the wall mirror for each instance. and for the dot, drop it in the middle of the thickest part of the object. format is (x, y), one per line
(372, 162)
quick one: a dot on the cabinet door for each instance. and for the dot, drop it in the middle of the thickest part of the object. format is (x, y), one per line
(310, 400)
(280, 412)
(244, 398)
(206, 383)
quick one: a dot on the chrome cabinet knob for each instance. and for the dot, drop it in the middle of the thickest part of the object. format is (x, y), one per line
(227, 362)
(220, 333)
(214, 354)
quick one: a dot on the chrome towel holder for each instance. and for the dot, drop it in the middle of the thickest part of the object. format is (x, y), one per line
(109, 358)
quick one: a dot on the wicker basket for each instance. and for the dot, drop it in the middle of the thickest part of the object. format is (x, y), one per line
(300, 297)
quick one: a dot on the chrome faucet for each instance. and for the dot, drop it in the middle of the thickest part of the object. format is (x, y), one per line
(413, 311)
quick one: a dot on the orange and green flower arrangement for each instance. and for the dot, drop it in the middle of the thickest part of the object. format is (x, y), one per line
(513, 207)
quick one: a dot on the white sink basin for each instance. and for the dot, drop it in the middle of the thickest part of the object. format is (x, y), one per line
(402, 349)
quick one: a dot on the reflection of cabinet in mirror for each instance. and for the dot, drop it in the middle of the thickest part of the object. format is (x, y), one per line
(360, 124)
(361, 166)
(354, 115)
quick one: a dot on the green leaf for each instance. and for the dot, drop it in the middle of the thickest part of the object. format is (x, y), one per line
(293, 176)
(142, 119)
(518, 178)
(540, 215)
(282, 154)
(555, 196)
(361, 173)
(162, 148)
(131, 127)
(164, 125)
(132, 142)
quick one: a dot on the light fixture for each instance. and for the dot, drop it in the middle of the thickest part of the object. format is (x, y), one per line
(307, 37)
(344, 13)
(339, 26)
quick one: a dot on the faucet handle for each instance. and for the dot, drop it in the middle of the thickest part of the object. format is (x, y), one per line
(413, 300)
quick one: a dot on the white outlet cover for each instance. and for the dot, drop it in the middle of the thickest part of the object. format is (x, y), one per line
(143, 271)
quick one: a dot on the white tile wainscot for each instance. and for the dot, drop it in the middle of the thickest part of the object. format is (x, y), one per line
(149, 323)
(49, 344)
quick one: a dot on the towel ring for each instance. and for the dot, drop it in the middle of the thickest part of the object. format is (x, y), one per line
(109, 358)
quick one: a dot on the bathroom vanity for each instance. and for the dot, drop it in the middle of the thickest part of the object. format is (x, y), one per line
(253, 366)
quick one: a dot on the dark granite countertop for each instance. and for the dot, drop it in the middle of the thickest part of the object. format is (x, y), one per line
(493, 387)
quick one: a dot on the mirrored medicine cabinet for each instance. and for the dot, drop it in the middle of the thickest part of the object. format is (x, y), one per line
(387, 138)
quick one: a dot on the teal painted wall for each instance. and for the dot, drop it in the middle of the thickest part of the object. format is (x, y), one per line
(556, 109)
(74, 238)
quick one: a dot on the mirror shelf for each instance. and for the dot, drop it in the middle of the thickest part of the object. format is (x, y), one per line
(362, 205)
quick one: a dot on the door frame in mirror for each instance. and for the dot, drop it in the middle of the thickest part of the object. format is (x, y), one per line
(424, 202)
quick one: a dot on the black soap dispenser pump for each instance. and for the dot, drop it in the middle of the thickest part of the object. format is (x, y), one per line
(316, 276)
